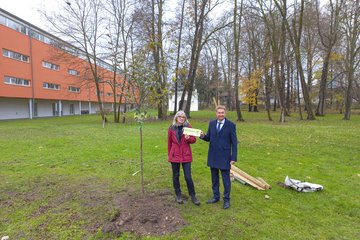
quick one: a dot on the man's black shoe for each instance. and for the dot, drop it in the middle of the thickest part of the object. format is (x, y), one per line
(179, 199)
(226, 205)
(195, 200)
(213, 200)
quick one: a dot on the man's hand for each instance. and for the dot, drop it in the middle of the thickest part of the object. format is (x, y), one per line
(232, 162)
(202, 134)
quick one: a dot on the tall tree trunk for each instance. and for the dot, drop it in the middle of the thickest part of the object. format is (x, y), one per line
(157, 50)
(178, 57)
(289, 85)
(278, 85)
(328, 40)
(352, 50)
(268, 80)
(195, 53)
(295, 38)
(298, 94)
(237, 31)
(282, 78)
(278, 52)
(348, 98)
(320, 110)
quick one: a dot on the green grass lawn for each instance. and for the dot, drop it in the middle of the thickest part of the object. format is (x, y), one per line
(59, 177)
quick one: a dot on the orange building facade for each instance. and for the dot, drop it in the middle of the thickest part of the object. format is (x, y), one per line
(34, 83)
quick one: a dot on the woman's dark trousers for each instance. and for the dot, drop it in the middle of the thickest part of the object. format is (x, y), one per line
(187, 174)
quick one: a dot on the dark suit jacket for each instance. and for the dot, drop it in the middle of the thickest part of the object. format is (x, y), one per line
(223, 145)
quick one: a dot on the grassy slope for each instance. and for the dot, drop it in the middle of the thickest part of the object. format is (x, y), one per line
(59, 177)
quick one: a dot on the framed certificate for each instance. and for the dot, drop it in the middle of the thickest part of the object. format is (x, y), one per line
(192, 131)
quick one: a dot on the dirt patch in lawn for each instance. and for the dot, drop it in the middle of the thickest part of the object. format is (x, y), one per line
(148, 215)
(93, 205)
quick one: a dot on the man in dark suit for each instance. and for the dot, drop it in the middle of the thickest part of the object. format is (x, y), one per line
(222, 153)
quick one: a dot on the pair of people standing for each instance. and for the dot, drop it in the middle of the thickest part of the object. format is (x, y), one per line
(222, 153)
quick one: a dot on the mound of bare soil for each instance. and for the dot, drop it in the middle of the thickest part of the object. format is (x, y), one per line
(145, 215)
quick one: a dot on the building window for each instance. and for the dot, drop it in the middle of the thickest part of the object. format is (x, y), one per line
(40, 37)
(47, 40)
(36, 35)
(72, 109)
(51, 86)
(73, 72)
(74, 89)
(109, 94)
(16, 26)
(2, 20)
(15, 55)
(35, 110)
(16, 81)
(50, 66)
(55, 108)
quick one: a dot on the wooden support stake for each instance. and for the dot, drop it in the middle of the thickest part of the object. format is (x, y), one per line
(215, 102)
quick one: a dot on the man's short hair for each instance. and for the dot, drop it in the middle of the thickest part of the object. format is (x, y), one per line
(220, 107)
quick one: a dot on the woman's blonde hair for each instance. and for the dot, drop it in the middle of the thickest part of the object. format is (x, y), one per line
(178, 114)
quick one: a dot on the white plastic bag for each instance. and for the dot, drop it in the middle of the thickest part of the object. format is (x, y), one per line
(302, 186)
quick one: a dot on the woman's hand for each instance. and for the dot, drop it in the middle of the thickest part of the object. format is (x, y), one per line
(187, 136)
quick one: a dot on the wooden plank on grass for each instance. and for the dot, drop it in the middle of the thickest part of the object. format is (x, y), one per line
(235, 176)
(248, 177)
(268, 186)
(251, 183)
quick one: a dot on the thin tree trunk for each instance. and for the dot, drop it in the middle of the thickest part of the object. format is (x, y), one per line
(298, 94)
(178, 57)
(352, 50)
(195, 54)
(268, 81)
(295, 38)
(141, 162)
(237, 31)
(320, 110)
(328, 41)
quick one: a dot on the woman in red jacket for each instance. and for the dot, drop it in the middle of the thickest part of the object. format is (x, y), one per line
(179, 153)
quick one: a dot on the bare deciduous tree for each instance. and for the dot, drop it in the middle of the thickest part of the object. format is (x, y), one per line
(295, 39)
(81, 23)
(237, 32)
(352, 33)
(328, 30)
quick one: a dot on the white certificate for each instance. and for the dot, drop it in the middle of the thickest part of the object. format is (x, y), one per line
(192, 131)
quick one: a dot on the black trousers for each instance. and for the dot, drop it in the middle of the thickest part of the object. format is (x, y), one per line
(225, 174)
(187, 174)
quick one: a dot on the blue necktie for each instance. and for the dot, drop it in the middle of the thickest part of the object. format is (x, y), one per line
(218, 126)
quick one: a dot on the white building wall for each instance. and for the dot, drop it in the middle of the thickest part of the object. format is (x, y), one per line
(84, 107)
(108, 107)
(44, 108)
(66, 108)
(13, 108)
(16, 108)
(89, 107)
(194, 101)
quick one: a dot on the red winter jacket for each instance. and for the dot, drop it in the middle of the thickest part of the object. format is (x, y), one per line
(179, 152)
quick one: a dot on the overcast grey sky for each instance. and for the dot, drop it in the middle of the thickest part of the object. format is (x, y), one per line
(28, 9)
